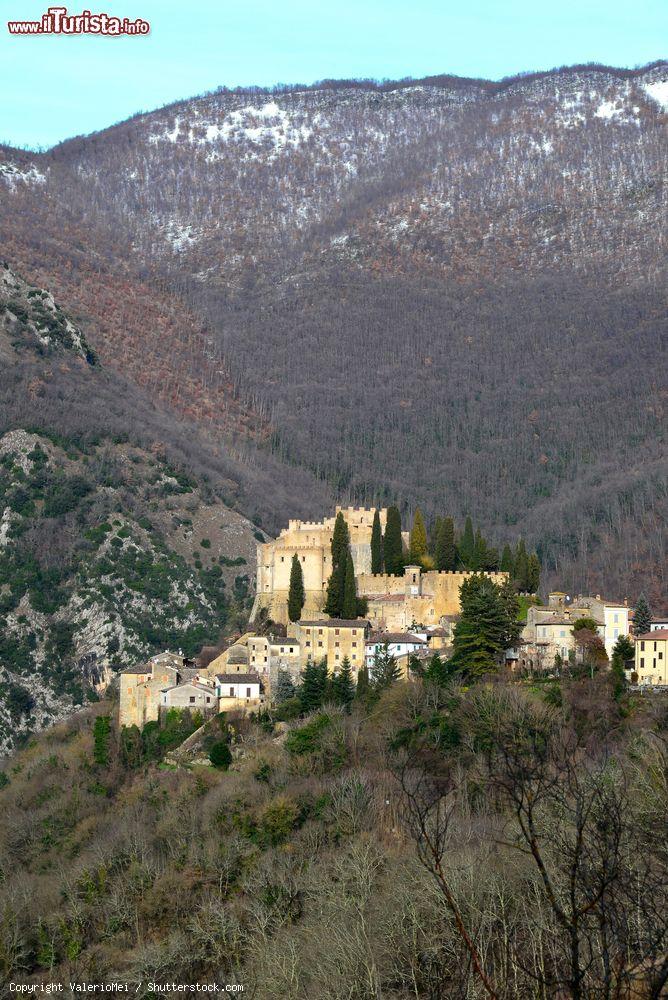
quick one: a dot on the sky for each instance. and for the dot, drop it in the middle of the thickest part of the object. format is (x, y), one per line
(57, 86)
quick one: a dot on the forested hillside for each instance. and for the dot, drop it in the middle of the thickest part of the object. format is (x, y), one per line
(442, 292)
(428, 840)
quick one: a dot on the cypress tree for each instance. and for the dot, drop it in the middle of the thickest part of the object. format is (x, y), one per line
(343, 687)
(296, 596)
(337, 580)
(394, 558)
(418, 538)
(642, 618)
(376, 544)
(478, 559)
(521, 567)
(622, 651)
(349, 603)
(446, 551)
(363, 688)
(533, 573)
(507, 562)
(467, 545)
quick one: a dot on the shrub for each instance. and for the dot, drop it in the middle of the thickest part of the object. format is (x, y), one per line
(220, 755)
(307, 739)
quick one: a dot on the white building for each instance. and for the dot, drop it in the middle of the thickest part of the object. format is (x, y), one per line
(398, 644)
(236, 690)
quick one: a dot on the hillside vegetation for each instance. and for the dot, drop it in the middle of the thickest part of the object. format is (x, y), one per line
(446, 292)
(435, 841)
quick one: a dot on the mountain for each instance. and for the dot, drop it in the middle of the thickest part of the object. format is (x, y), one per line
(108, 551)
(443, 292)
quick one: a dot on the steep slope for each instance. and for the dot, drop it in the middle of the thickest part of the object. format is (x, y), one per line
(445, 291)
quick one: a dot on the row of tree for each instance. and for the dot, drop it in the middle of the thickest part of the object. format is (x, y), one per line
(443, 549)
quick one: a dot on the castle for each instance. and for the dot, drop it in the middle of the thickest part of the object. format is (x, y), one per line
(395, 602)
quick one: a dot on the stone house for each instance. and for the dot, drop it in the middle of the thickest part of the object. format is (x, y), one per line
(195, 695)
(332, 639)
(140, 687)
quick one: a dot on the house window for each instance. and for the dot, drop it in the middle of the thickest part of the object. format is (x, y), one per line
(208, 700)
(337, 644)
(303, 558)
(308, 643)
(248, 692)
(320, 643)
(642, 662)
(354, 645)
(336, 631)
(642, 647)
(192, 699)
(282, 649)
(319, 631)
(231, 692)
(337, 657)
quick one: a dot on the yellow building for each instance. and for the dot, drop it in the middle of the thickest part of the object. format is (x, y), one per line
(651, 656)
(332, 639)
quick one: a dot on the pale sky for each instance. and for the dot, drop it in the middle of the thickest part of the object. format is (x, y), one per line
(54, 87)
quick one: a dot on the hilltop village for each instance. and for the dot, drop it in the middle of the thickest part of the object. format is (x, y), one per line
(356, 595)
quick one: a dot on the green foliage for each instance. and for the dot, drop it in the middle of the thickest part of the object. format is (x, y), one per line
(314, 685)
(418, 539)
(220, 755)
(466, 548)
(296, 595)
(446, 551)
(342, 684)
(284, 689)
(642, 616)
(101, 737)
(376, 544)
(392, 543)
(337, 580)
(307, 739)
(486, 627)
(521, 568)
(349, 603)
(622, 651)
(385, 669)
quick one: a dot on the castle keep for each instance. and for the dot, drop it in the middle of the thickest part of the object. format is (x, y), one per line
(395, 602)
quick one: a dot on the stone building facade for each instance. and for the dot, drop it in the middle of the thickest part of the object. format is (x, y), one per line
(395, 602)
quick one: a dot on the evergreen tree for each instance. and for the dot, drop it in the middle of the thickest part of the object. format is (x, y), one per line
(343, 687)
(467, 545)
(642, 618)
(433, 533)
(349, 603)
(533, 573)
(337, 580)
(296, 595)
(394, 557)
(363, 688)
(376, 544)
(487, 626)
(385, 669)
(285, 689)
(479, 558)
(418, 538)
(446, 551)
(521, 567)
(438, 671)
(507, 562)
(314, 685)
(622, 651)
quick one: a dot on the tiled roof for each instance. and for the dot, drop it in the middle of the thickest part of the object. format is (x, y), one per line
(383, 637)
(337, 623)
(238, 678)
(658, 633)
